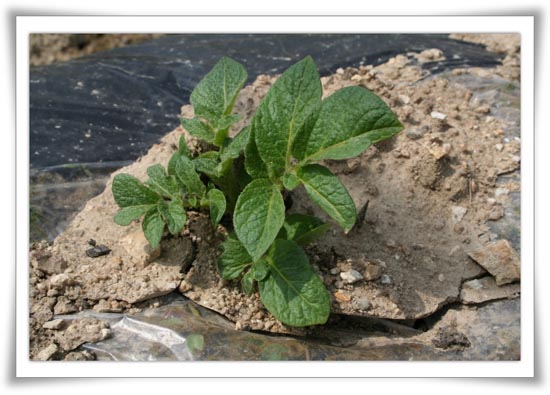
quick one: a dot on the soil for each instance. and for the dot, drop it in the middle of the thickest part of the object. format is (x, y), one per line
(52, 48)
(427, 196)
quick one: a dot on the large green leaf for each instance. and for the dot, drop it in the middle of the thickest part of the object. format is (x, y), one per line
(326, 190)
(153, 227)
(282, 112)
(258, 217)
(234, 258)
(292, 291)
(348, 122)
(215, 94)
(236, 145)
(128, 191)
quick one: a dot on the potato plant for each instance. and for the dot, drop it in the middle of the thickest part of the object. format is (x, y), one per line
(244, 177)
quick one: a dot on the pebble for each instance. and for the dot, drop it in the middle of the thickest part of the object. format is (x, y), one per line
(372, 272)
(501, 192)
(98, 251)
(438, 115)
(458, 212)
(441, 277)
(342, 297)
(47, 352)
(385, 279)
(499, 147)
(53, 324)
(363, 303)
(414, 133)
(499, 259)
(351, 276)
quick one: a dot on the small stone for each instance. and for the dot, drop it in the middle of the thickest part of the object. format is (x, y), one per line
(458, 228)
(385, 279)
(372, 272)
(458, 212)
(52, 265)
(334, 271)
(363, 303)
(499, 147)
(441, 277)
(491, 201)
(501, 192)
(98, 251)
(438, 115)
(53, 324)
(499, 259)
(47, 352)
(351, 276)
(496, 213)
(454, 250)
(340, 71)
(61, 280)
(437, 151)
(414, 133)
(341, 297)
(353, 164)
(64, 306)
(404, 99)
(485, 289)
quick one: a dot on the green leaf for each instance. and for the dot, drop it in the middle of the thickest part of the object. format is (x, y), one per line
(283, 111)
(208, 164)
(199, 129)
(160, 183)
(290, 181)
(346, 114)
(216, 201)
(227, 121)
(326, 190)
(185, 171)
(215, 95)
(259, 214)
(234, 258)
(292, 291)
(153, 227)
(247, 283)
(173, 214)
(260, 270)
(128, 191)
(303, 229)
(183, 149)
(195, 343)
(128, 214)
(253, 163)
(237, 145)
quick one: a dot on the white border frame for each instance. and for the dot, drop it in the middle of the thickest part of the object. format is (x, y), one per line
(273, 24)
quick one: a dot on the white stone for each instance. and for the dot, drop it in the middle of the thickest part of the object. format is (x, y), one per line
(351, 276)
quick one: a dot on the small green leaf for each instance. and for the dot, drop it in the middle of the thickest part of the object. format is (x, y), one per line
(282, 112)
(160, 183)
(347, 114)
(185, 171)
(173, 214)
(129, 191)
(183, 149)
(234, 258)
(326, 190)
(237, 145)
(260, 270)
(207, 163)
(153, 227)
(290, 181)
(216, 201)
(253, 164)
(303, 229)
(259, 214)
(247, 283)
(199, 129)
(128, 214)
(215, 95)
(292, 291)
(227, 121)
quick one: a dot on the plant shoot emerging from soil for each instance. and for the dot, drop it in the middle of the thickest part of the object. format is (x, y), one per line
(246, 177)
